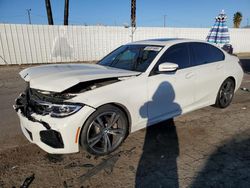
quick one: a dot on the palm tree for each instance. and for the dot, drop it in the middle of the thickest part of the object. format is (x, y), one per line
(237, 19)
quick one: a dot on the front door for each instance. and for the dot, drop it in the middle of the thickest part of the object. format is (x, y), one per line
(171, 93)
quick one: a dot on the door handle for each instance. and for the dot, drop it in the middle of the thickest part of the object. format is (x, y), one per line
(190, 75)
(219, 66)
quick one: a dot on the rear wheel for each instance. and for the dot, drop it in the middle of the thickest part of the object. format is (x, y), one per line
(104, 131)
(225, 94)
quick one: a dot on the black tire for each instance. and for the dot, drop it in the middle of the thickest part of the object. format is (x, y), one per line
(104, 130)
(225, 94)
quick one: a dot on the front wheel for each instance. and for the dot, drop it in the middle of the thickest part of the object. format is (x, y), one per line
(225, 94)
(104, 131)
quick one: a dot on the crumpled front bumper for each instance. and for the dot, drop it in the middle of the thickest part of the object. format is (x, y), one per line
(53, 135)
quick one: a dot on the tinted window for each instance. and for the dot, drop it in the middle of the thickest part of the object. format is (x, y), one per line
(203, 53)
(215, 54)
(200, 53)
(177, 54)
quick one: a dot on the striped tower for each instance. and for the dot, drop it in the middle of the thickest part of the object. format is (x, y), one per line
(219, 34)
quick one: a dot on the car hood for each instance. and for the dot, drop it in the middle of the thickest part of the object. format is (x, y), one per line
(60, 77)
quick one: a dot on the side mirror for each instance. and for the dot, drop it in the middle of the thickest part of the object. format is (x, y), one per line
(167, 67)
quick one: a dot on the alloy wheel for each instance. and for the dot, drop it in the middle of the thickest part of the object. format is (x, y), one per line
(106, 132)
(226, 93)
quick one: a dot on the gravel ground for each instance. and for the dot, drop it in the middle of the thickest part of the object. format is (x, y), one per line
(209, 147)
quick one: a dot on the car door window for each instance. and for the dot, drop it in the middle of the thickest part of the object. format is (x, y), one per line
(177, 54)
(200, 53)
(203, 53)
(215, 54)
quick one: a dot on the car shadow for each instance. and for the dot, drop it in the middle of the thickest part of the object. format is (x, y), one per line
(158, 163)
(228, 166)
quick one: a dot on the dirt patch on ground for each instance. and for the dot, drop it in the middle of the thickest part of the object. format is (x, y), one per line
(206, 148)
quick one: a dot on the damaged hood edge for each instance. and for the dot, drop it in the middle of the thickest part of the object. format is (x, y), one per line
(57, 78)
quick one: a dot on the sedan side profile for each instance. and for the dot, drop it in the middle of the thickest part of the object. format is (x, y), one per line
(96, 106)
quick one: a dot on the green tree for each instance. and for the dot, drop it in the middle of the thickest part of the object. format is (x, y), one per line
(237, 19)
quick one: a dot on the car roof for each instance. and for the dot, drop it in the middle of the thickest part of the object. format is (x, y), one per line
(165, 41)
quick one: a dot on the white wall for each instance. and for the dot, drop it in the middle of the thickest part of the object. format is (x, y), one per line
(28, 44)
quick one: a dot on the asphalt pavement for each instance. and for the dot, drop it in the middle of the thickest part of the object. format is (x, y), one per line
(209, 147)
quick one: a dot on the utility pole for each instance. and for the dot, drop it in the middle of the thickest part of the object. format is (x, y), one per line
(164, 24)
(66, 12)
(133, 18)
(28, 11)
(49, 12)
(133, 13)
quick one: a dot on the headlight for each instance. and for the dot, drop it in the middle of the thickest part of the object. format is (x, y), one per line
(63, 110)
(55, 110)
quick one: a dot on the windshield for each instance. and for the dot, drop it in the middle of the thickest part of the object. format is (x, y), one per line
(131, 57)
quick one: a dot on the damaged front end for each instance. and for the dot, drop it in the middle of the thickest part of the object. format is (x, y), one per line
(47, 107)
(35, 102)
(55, 103)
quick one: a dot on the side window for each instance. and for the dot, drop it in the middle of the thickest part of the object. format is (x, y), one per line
(203, 53)
(215, 54)
(200, 53)
(177, 54)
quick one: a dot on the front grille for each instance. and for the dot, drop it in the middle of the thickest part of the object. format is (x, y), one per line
(32, 102)
(27, 106)
(39, 102)
(38, 107)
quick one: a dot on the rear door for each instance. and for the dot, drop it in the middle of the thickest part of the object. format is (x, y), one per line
(208, 63)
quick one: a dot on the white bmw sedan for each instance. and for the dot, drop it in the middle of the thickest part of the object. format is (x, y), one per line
(96, 106)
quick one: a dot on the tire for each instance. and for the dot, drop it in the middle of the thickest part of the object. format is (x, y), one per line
(104, 130)
(225, 94)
